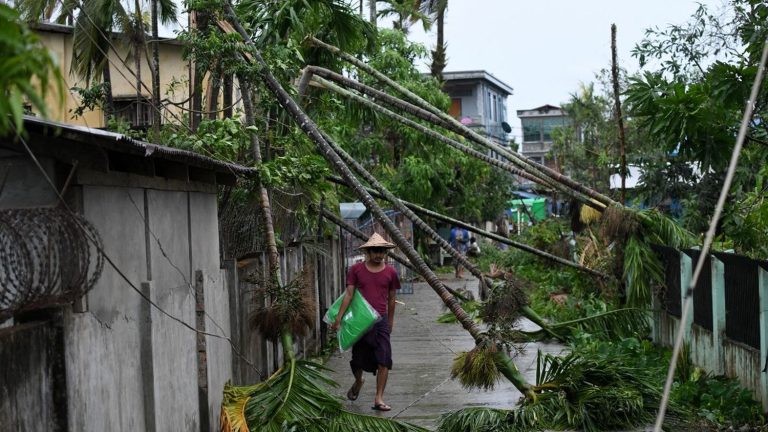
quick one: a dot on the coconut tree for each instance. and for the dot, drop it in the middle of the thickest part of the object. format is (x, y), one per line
(406, 13)
(437, 9)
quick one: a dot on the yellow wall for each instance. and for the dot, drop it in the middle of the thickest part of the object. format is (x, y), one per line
(172, 69)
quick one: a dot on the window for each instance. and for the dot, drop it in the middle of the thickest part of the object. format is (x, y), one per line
(137, 114)
(548, 125)
(531, 130)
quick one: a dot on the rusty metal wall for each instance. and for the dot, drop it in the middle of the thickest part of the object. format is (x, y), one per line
(260, 357)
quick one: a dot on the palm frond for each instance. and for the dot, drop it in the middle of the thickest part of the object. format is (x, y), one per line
(642, 269)
(296, 398)
(477, 368)
(615, 324)
(659, 228)
(478, 419)
(292, 308)
(347, 421)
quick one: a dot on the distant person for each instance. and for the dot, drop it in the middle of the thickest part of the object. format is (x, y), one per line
(459, 240)
(502, 229)
(474, 248)
(377, 282)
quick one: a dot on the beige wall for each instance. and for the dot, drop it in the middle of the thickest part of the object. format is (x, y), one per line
(174, 79)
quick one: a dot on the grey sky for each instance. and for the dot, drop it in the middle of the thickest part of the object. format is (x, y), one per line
(545, 48)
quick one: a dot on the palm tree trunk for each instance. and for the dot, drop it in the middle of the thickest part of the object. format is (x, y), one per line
(137, 66)
(138, 29)
(438, 120)
(404, 106)
(214, 88)
(227, 96)
(438, 55)
(155, 70)
(361, 235)
(372, 11)
(273, 255)
(484, 233)
(109, 102)
(619, 119)
(454, 125)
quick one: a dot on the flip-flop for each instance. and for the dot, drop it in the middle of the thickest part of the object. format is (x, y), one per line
(381, 407)
(353, 392)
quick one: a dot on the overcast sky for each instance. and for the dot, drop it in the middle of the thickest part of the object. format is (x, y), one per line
(545, 48)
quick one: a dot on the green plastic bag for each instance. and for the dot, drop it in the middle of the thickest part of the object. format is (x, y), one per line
(359, 317)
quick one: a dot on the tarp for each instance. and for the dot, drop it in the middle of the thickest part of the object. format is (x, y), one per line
(351, 210)
(537, 207)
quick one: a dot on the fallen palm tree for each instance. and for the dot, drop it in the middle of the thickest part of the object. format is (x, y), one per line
(328, 149)
(639, 267)
(488, 234)
(456, 126)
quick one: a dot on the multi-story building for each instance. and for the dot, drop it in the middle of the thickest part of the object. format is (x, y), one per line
(131, 107)
(479, 100)
(538, 124)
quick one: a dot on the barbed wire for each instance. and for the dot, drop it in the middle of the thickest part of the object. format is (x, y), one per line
(45, 259)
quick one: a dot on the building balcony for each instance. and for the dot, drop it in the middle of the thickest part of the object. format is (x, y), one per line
(539, 147)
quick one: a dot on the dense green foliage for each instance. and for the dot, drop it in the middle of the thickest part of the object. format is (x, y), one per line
(27, 72)
(609, 380)
(690, 108)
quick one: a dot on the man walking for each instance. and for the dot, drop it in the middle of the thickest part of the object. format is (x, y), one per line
(377, 283)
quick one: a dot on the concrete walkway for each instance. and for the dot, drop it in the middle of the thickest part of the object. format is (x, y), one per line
(420, 387)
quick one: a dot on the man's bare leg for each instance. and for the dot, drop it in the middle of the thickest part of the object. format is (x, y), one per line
(354, 391)
(381, 382)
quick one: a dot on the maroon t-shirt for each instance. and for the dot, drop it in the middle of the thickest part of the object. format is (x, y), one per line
(374, 287)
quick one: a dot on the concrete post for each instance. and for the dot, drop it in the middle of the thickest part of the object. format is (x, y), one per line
(202, 352)
(763, 290)
(718, 314)
(686, 276)
(146, 356)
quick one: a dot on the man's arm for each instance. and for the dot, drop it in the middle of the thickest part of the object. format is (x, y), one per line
(343, 308)
(391, 308)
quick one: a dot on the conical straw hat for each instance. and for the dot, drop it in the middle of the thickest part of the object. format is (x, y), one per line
(376, 241)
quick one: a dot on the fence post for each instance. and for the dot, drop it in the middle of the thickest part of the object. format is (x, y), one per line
(685, 282)
(763, 290)
(718, 314)
(235, 329)
(146, 356)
